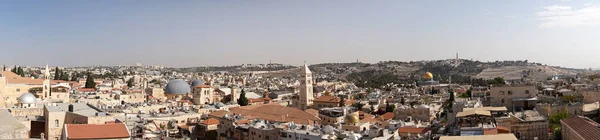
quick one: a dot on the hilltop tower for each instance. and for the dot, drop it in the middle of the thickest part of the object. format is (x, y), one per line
(456, 63)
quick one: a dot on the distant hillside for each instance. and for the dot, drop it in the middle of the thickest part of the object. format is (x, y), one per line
(463, 71)
(534, 72)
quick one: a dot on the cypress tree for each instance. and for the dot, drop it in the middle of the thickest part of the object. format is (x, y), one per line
(64, 76)
(20, 72)
(74, 77)
(130, 82)
(14, 70)
(402, 101)
(389, 108)
(342, 102)
(243, 101)
(57, 73)
(89, 83)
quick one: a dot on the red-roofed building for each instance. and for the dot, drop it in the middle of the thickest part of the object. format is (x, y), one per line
(413, 131)
(86, 90)
(579, 128)
(116, 131)
(329, 101)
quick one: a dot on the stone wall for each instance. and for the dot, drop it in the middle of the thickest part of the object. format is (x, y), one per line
(22, 112)
(590, 96)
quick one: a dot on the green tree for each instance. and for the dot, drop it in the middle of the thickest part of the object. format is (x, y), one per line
(413, 103)
(243, 101)
(74, 77)
(89, 82)
(57, 73)
(342, 102)
(497, 81)
(64, 76)
(130, 82)
(469, 92)
(389, 108)
(555, 119)
(464, 95)
(569, 98)
(402, 100)
(14, 70)
(358, 105)
(20, 72)
(451, 98)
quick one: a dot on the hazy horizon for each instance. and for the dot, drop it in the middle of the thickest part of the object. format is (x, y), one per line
(562, 33)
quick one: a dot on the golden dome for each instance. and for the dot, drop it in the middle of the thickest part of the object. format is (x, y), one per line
(351, 119)
(428, 75)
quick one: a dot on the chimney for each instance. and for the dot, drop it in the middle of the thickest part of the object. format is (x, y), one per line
(70, 107)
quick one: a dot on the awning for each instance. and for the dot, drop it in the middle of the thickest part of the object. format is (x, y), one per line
(525, 99)
(495, 109)
(473, 112)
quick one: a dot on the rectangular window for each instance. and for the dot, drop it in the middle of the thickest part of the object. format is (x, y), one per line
(526, 91)
(18, 90)
(509, 92)
(55, 123)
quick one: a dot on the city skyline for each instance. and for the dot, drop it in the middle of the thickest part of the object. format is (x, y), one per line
(199, 33)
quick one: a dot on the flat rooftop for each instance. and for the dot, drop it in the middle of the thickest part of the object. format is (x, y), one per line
(78, 108)
(530, 115)
(9, 124)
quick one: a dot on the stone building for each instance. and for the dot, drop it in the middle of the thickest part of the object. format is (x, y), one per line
(12, 86)
(514, 97)
(579, 128)
(58, 114)
(419, 112)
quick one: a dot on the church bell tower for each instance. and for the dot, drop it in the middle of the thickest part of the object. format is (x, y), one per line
(306, 89)
(46, 83)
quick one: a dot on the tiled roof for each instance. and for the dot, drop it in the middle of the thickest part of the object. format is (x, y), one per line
(256, 100)
(387, 116)
(349, 102)
(502, 129)
(492, 131)
(210, 121)
(87, 89)
(412, 130)
(13, 78)
(243, 121)
(587, 129)
(96, 131)
(271, 112)
(203, 86)
(313, 112)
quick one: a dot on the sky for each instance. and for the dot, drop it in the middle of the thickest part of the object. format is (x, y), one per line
(187, 33)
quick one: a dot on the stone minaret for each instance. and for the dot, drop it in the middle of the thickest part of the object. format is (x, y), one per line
(46, 84)
(306, 89)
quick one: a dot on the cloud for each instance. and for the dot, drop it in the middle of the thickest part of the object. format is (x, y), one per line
(557, 8)
(565, 0)
(566, 16)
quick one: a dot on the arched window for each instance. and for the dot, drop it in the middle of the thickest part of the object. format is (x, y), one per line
(56, 123)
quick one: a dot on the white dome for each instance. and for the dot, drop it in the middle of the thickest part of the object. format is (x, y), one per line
(177, 86)
(27, 98)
